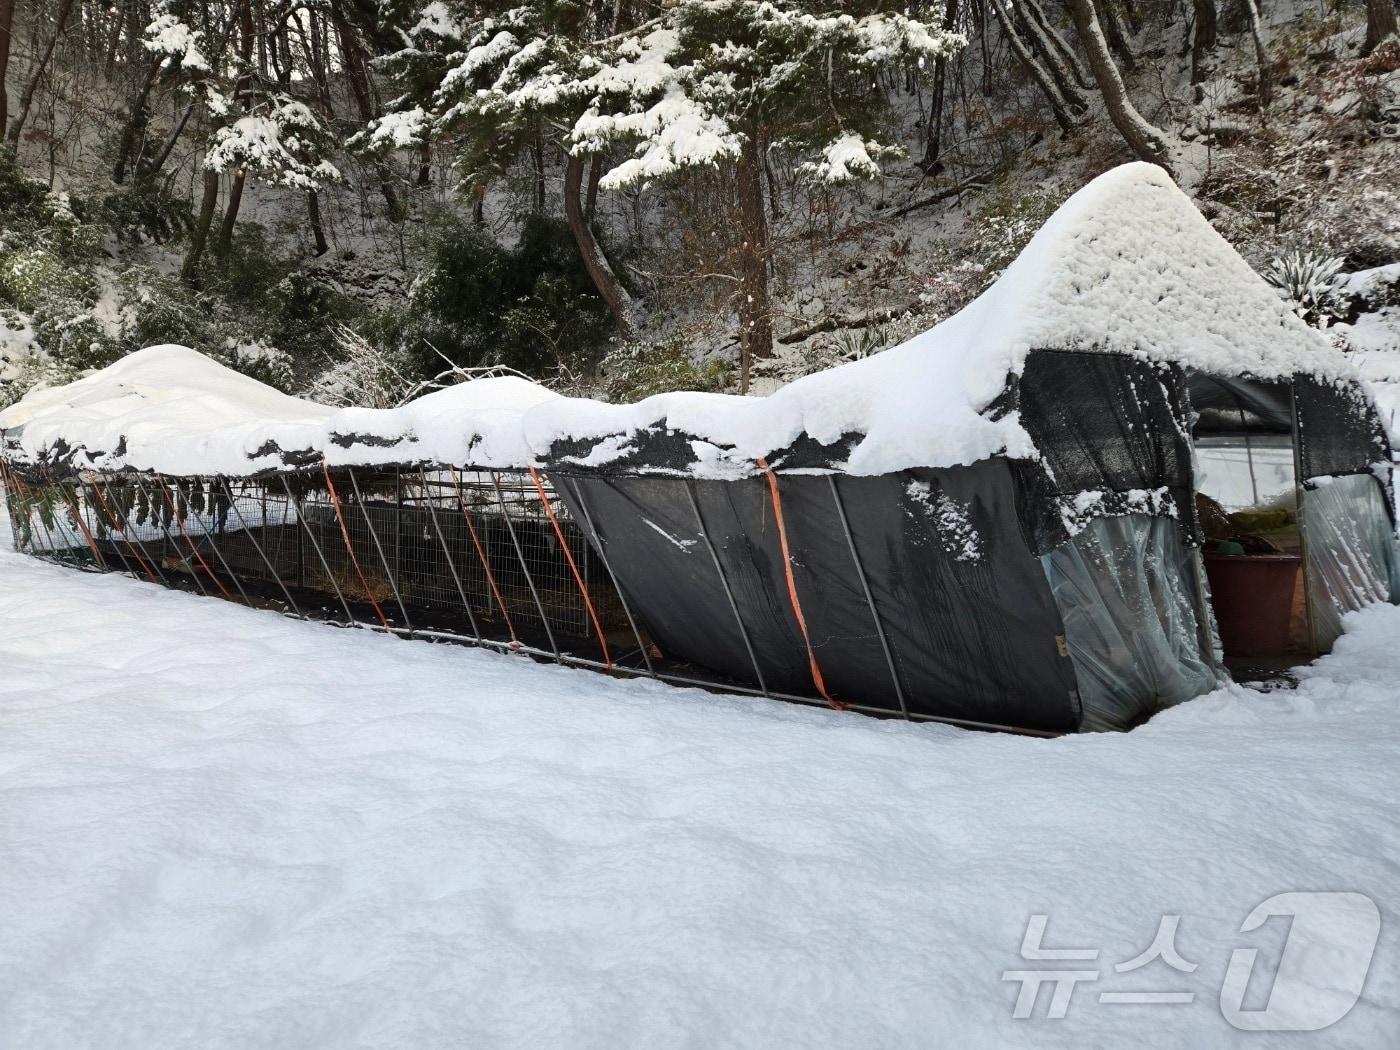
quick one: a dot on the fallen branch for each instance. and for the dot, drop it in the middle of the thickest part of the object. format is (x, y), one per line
(832, 324)
(978, 181)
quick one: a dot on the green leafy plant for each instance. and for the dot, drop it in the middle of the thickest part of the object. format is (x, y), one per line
(637, 369)
(1308, 280)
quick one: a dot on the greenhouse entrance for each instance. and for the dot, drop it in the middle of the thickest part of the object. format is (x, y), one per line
(1247, 502)
(1296, 524)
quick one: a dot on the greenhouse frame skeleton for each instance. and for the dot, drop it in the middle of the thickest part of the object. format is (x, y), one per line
(1002, 523)
(554, 600)
(516, 560)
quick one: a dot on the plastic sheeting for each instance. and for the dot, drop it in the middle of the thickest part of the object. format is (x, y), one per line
(1351, 551)
(1339, 430)
(1126, 589)
(1104, 424)
(962, 603)
(1239, 405)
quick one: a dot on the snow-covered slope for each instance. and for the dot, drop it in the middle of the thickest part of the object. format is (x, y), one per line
(225, 829)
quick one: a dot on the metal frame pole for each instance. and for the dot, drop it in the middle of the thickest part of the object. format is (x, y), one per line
(520, 553)
(1303, 543)
(603, 557)
(457, 488)
(573, 566)
(11, 501)
(373, 535)
(869, 597)
(75, 512)
(724, 581)
(102, 528)
(213, 544)
(128, 531)
(175, 547)
(306, 529)
(447, 553)
(272, 569)
(28, 492)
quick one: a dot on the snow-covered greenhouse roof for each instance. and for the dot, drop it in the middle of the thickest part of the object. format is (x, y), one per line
(1126, 265)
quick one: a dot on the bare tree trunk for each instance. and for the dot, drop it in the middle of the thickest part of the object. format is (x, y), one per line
(150, 170)
(199, 236)
(135, 123)
(1380, 24)
(1037, 14)
(7, 21)
(595, 175)
(594, 261)
(537, 158)
(1142, 138)
(1117, 39)
(1261, 57)
(1064, 112)
(755, 320)
(235, 199)
(26, 99)
(244, 92)
(982, 36)
(1134, 19)
(318, 230)
(933, 142)
(1203, 38)
(763, 151)
(1040, 42)
(425, 164)
(357, 75)
(113, 39)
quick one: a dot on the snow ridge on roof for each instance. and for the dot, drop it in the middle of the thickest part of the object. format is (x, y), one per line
(172, 410)
(1125, 265)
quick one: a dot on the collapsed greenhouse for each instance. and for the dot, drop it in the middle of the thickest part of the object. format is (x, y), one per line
(1123, 470)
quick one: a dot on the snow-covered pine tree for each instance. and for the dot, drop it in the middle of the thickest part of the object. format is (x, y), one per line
(705, 82)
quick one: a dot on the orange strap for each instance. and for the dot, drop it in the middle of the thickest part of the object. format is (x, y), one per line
(481, 553)
(16, 487)
(573, 567)
(792, 587)
(194, 547)
(75, 512)
(111, 513)
(26, 493)
(349, 547)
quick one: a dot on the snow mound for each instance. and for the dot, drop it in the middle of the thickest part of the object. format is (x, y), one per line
(1126, 265)
(165, 408)
(171, 409)
(476, 423)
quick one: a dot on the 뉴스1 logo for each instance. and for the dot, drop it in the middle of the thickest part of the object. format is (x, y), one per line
(1319, 977)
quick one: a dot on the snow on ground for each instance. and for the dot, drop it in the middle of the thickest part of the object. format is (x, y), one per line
(223, 828)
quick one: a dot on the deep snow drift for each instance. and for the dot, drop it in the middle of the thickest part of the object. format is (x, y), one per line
(223, 828)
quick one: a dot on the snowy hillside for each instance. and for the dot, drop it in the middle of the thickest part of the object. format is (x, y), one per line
(227, 829)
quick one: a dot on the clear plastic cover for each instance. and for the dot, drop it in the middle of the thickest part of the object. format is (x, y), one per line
(1351, 550)
(1126, 589)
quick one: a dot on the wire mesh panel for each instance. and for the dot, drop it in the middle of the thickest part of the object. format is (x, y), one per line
(493, 539)
(351, 529)
(489, 555)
